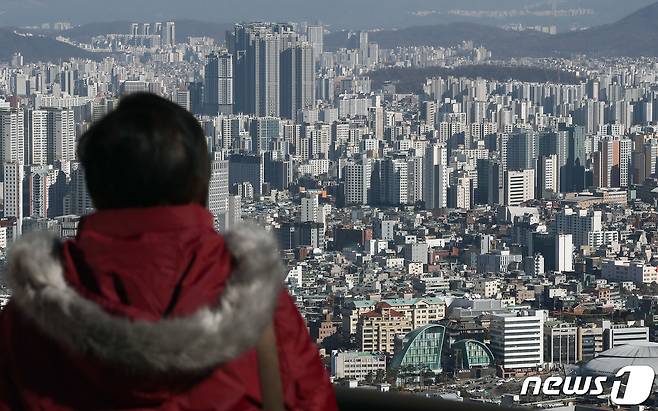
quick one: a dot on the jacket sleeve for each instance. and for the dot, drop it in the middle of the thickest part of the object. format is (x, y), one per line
(6, 331)
(306, 372)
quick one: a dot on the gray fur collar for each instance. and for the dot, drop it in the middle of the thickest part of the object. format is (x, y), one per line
(193, 344)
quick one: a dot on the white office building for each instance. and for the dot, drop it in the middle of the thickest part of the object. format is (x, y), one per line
(564, 252)
(519, 186)
(356, 365)
(517, 341)
(615, 335)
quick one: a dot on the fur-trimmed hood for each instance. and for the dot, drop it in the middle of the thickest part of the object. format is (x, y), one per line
(191, 344)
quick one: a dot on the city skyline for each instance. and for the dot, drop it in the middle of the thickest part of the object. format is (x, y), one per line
(364, 14)
(451, 219)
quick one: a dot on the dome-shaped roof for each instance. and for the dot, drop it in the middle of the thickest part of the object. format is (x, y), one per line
(635, 353)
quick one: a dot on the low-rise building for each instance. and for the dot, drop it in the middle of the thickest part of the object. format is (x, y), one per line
(623, 270)
(356, 365)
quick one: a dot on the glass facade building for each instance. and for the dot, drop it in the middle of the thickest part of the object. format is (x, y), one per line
(472, 353)
(421, 349)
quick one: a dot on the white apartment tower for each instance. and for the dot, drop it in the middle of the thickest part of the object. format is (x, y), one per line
(36, 131)
(219, 181)
(13, 193)
(61, 135)
(312, 211)
(315, 34)
(11, 135)
(357, 181)
(548, 176)
(234, 212)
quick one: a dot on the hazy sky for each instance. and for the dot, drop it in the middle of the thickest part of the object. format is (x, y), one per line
(345, 13)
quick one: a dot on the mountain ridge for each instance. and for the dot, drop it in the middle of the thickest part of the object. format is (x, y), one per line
(634, 35)
(37, 48)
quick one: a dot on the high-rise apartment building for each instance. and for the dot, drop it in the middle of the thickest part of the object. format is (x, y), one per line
(13, 192)
(218, 84)
(61, 135)
(357, 176)
(168, 35)
(435, 177)
(612, 162)
(297, 79)
(264, 131)
(256, 50)
(522, 151)
(219, 184)
(78, 202)
(315, 36)
(12, 135)
(182, 98)
(273, 70)
(394, 181)
(37, 189)
(548, 176)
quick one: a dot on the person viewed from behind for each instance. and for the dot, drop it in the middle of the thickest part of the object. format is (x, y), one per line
(148, 308)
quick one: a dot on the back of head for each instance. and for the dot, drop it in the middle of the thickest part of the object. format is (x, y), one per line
(148, 152)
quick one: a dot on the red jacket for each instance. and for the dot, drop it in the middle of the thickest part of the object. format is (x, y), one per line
(151, 309)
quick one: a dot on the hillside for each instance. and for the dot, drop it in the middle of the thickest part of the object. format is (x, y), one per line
(411, 80)
(37, 48)
(634, 35)
(184, 29)
(43, 47)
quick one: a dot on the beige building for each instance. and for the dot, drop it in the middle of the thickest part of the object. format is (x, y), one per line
(486, 287)
(590, 342)
(378, 328)
(420, 311)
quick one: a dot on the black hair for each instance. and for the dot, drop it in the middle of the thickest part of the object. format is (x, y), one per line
(147, 152)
